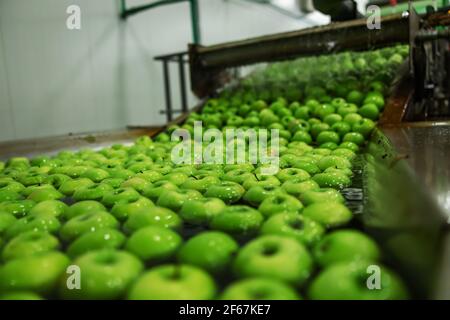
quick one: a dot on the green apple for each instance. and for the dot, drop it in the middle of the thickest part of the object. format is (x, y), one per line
(275, 257)
(88, 222)
(212, 251)
(6, 220)
(70, 186)
(201, 211)
(261, 180)
(327, 136)
(39, 273)
(307, 165)
(355, 137)
(321, 195)
(341, 128)
(259, 289)
(173, 282)
(280, 203)
(138, 184)
(349, 281)
(112, 197)
(317, 128)
(104, 274)
(369, 111)
(333, 161)
(200, 182)
(238, 176)
(174, 199)
(83, 207)
(29, 243)
(255, 195)
(92, 192)
(329, 214)
(113, 182)
(153, 216)
(296, 174)
(336, 179)
(43, 194)
(302, 136)
(238, 220)
(34, 178)
(153, 244)
(332, 119)
(18, 208)
(42, 222)
(153, 192)
(100, 239)
(347, 109)
(150, 176)
(303, 229)
(121, 210)
(96, 174)
(227, 191)
(345, 245)
(364, 127)
(355, 97)
(350, 146)
(297, 188)
(345, 153)
(57, 179)
(11, 185)
(54, 207)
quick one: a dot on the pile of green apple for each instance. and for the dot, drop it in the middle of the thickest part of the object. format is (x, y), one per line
(140, 227)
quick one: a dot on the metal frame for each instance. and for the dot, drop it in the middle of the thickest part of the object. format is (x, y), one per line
(180, 59)
(194, 9)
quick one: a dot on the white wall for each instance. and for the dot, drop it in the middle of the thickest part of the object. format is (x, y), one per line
(55, 81)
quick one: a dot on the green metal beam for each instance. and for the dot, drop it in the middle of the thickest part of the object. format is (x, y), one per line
(194, 8)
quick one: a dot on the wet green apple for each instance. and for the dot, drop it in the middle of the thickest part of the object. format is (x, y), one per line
(83, 207)
(297, 188)
(29, 243)
(296, 174)
(238, 220)
(154, 244)
(280, 203)
(201, 211)
(296, 226)
(200, 182)
(355, 137)
(302, 136)
(341, 128)
(153, 192)
(327, 136)
(153, 216)
(350, 146)
(43, 222)
(112, 197)
(174, 199)
(255, 195)
(70, 186)
(227, 191)
(261, 180)
(334, 161)
(345, 153)
(238, 176)
(329, 214)
(7, 195)
(275, 257)
(173, 282)
(345, 245)
(122, 210)
(321, 195)
(11, 185)
(259, 289)
(57, 179)
(92, 192)
(212, 251)
(349, 281)
(6, 220)
(96, 174)
(138, 184)
(54, 207)
(335, 179)
(100, 239)
(105, 274)
(18, 208)
(149, 175)
(88, 222)
(39, 273)
(364, 127)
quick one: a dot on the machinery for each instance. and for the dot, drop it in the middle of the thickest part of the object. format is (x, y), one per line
(406, 175)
